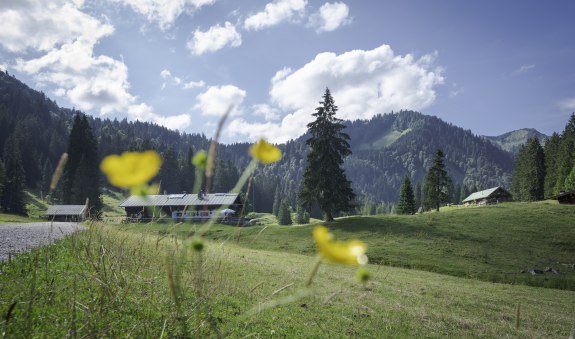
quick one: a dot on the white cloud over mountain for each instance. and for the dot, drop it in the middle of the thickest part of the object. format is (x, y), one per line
(216, 100)
(330, 17)
(275, 13)
(215, 38)
(362, 82)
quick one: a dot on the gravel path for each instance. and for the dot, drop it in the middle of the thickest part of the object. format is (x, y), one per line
(23, 237)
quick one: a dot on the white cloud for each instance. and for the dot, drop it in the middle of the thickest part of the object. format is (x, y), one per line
(265, 111)
(567, 104)
(194, 84)
(215, 38)
(524, 69)
(275, 13)
(165, 74)
(164, 12)
(217, 99)
(143, 112)
(363, 84)
(41, 25)
(330, 17)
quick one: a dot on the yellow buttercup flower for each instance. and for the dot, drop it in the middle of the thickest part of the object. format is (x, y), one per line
(131, 169)
(265, 152)
(350, 252)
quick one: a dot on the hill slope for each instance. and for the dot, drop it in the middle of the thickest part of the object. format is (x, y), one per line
(512, 141)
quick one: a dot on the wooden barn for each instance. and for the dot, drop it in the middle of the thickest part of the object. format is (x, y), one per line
(185, 207)
(490, 196)
(76, 213)
(566, 198)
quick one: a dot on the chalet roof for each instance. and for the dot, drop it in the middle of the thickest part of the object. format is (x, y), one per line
(180, 200)
(65, 210)
(481, 194)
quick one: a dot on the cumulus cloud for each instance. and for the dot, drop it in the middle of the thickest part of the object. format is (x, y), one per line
(41, 25)
(143, 112)
(362, 82)
(524, 69)
(194, 84)
(164, 12)
(177, 81)
(330, 17)
(275, 13)
(217, 99)
(215, 38)
(265, 111)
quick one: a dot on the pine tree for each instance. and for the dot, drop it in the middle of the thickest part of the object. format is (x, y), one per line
(406, 203)
(436, 184)
(81, 178)
(284, 215)
(325, 183)
(418, 196)
(456, 198)
(277, 202)
(551, 163)
(188, 172)
(528, 180)
(2, 179)
(170, 172)
(570, 181)
(302, 216)
(12, 196)
(566, 154)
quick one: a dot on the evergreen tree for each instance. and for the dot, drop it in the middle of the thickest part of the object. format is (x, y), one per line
(406, 204)
(188, 173)
(81, 178)
(465, 192)
(456, 198)
(418, 193)
(47, 172)
(551, 163)
(284, 215)
(170, 173)
(12, 196)
(565, 159)
(302, 216)
(2, 179)
(324, 183)
(436, 184)
(570, 181)
(527, 183)
(277, 202)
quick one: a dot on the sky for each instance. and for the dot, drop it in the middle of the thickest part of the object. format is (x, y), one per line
(488, 66)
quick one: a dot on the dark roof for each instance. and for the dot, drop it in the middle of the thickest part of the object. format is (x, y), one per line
(65, 210)
(180, 200)
(482, 194)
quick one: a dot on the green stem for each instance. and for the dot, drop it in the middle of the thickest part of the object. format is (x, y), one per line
(313, 272)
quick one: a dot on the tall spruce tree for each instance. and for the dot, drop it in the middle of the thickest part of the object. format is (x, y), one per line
(551, 163)
(277, 202)
(437, 183)
(12, 197)
(418, 196)
(81, 178)
(566, 155)
(325, 183)
(406, 203)
(527, 182)
(170, 172)
(284, 215)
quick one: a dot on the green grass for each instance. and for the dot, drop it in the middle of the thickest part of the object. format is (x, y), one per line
(11, 218)
(109, 282)
(491, 243)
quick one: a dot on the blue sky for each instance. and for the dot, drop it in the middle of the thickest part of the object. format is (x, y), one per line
(488, 66)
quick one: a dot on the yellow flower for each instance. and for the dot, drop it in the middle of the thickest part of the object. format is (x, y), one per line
(200, 160)
(350, 252)
(131, 169)
(265, 152)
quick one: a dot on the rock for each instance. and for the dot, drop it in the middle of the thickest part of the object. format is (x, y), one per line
(535, 271)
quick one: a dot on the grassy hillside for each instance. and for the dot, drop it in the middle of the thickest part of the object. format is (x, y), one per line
(491, 243)
(116, 284)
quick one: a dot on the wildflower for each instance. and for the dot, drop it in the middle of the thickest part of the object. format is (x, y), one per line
(350, 252)
(131, 169)
(200, 160)
(265, 152)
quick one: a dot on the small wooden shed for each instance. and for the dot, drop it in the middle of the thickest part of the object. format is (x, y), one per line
(75, 213)
(490, 196)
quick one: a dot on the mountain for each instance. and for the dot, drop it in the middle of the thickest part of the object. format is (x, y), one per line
(385, 148)
(512, 141)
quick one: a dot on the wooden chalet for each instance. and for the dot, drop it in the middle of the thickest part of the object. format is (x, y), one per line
(75, 213)
(182, 207)
(566, 197)
(490, 196)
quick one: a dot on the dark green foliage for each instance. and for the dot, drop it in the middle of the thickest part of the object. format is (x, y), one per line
(225, 178)
(551, 163)
(324, 182)
(437, 183)
(284, 215)
(529, 173)
(81, 178)
(277, 202)
(188, 172)
(302, 216)
(456, 194)
(418, 195)
(465, 192)
(566, 154)
(406, 203)
(12, 198)
(170, 174)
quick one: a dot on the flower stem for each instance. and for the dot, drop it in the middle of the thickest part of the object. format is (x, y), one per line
(313, 272)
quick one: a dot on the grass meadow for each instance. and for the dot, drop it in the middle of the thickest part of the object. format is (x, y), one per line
(148, 280)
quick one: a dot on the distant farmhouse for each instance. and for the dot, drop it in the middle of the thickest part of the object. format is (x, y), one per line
(185, 207)
(76, 213)
(490, 196)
